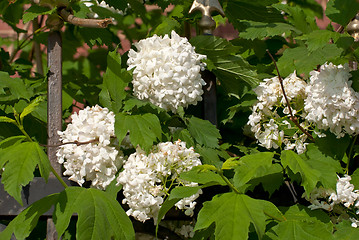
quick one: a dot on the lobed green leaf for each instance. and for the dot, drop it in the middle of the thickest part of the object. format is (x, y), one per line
(19, 168)
(100, 218)
(23, 224)
(144, 129)
(233, 213)
(204, 132)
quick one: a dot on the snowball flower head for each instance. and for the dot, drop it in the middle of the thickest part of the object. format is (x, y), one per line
(268, 123)
(96, 161)
(145, 178)
(167, 71)
(332, 103)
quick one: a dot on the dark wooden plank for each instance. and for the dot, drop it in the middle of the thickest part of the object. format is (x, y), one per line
(209, 97)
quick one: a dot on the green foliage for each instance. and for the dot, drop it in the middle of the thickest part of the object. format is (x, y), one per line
(176, 194)
(115, 80)
(25, 222)
(19, 168)
(101, 217)
(342, 11)
(203, 176)
(36, 10)
(12, 88)
(230, 155)
(233, 213)
(313, 166)
(204, 132)
(229, 67)
(144, 129)
(302, 223)
(261, 30)
(251, 167)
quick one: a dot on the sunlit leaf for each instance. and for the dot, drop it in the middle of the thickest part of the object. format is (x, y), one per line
(233, 213)
(99, 215)
(19, 168)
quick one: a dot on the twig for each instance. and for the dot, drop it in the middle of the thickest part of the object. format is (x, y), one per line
(37, 49)
(92, 23)
(340, 29)
(74, 142)
(23, 43)
(292, 117)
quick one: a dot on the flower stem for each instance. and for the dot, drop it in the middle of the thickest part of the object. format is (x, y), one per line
(58, 177)
(228, 182)
(292, 117)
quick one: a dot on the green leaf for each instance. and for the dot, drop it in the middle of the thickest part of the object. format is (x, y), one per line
(332, 146)
(310, 176)
(341, 11)
(19, 168)
(302, 213)
(213, 47)
(258, 30)
(11, 141)
(303, 19)
(234, 68)
(346, 233)
(144, 129)
(251, 166)
(99, 215)
(210, 156)
(319, 38)
(327, 166)
(303, 61)
(355, 179)
(13, 88)
(231, 163)
(233, 213)
(176, 194)
(23, 224)
(204, 132)
(6, 119)
(253, 10)
(31, 107)
(229, 67)
(166, 27)
(96, 36)
(271, 180)
(201, 176)
(36, 10)
(115, 80)
(300, 220)
(298, 230)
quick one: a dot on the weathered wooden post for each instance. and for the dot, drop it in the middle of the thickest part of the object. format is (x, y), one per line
(207, 25)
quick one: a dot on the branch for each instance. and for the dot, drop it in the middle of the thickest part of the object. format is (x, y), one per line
(92, 23)
(75, 142)
(292, 117)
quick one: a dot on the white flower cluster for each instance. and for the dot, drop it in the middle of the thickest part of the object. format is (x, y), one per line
(167, 71)
(147, 179)
(344, 195)
(270, 114)
(332, 103)
(95, 161)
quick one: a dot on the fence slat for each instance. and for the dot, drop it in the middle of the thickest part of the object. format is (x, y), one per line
(54, 95)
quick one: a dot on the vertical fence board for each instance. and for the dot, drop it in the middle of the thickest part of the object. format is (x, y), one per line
(54, 108)
(54, 95)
